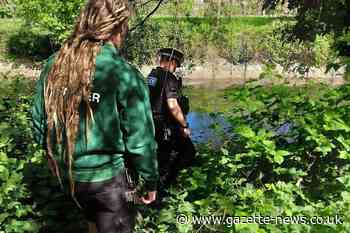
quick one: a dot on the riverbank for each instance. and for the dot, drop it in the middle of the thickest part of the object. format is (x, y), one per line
(212, 72)
(220, 74)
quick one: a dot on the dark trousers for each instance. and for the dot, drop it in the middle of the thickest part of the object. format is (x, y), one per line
(174, 154)
(104, 203)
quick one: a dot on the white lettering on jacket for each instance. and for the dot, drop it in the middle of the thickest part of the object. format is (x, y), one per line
(95, 97)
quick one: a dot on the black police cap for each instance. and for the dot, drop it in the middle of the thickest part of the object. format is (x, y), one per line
(172, 54)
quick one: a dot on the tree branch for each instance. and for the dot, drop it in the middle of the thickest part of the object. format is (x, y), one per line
(146, 3)
(149, 15)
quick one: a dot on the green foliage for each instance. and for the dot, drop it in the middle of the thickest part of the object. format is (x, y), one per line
(219, 32)
(20, 40)
(289, 154)
(235, 39)
(296, 56)
(292, 128)
(317, 18)
(288, 157)
(30, 198)
(342, 45)
(48, 23)
(142, 44)
(239, 39)
(212, 8)
(7, 10)
(8, 28)
(57, 17)
(31, 42)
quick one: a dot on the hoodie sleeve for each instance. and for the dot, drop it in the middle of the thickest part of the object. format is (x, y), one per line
(137, 124)
(38, 108)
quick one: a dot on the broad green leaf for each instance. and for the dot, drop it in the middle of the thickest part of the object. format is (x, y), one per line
(344, 155)
(246, 131)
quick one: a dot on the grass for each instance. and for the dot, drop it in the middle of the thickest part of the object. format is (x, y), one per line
(8, 28)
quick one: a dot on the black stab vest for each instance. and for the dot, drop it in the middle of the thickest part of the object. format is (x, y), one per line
(156, 81)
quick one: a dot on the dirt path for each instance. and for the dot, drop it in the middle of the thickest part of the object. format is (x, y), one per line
(12, 69)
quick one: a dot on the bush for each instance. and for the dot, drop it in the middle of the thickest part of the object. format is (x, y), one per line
(57, 17)
(294, 56)
(237, 39)
(7, 11)
(31, 42)
(288, 157)
(342, 46)
(30, 198)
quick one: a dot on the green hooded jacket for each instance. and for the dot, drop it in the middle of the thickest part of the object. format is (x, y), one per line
(121, 127)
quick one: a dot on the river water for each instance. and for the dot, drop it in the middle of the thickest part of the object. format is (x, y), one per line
(208, 128)
(215, 129)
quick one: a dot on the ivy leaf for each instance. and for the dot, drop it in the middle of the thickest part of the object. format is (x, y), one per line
(344, 155)
(3, 216)
(346, 196)
(166, 216)
(4, 173)
(2, 107)
(224, 151)
(279, 156)
(344, 142)
(246, 131)
(247, 228)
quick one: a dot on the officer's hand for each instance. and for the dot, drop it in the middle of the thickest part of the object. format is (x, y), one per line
(149, 198)
(186, 132)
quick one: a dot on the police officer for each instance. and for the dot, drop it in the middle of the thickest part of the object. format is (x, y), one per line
(169, 108)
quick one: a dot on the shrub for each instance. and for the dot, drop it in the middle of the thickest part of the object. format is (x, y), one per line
(57, 17)
(30, 198)
(31, 42)
(288, 157)
(7, 11)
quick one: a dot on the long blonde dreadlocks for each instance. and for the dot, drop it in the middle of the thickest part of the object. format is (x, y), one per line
(69, 81)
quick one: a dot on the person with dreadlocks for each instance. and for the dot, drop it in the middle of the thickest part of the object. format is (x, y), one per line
(92, 113)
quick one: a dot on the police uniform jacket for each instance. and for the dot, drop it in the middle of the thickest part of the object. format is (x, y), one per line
(163, 85)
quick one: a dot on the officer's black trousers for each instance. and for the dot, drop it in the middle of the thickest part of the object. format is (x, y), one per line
(184, 157)
(174, 154)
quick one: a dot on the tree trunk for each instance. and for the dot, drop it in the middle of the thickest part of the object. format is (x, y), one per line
(219, 9)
